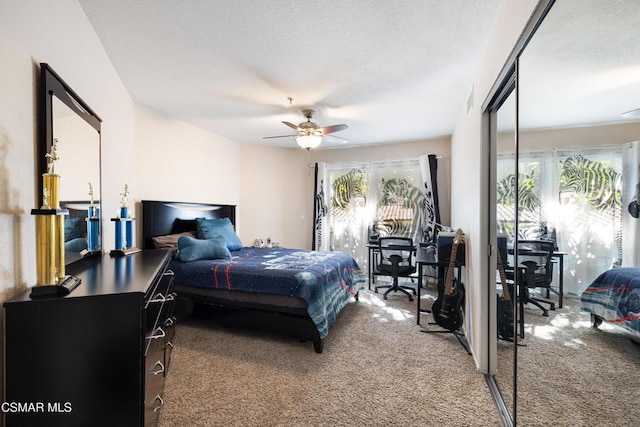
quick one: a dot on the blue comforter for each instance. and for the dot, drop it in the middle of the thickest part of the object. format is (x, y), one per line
(325, 280)
(615, 297)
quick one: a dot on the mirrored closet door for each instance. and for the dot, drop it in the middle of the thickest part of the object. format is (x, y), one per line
(577, 175)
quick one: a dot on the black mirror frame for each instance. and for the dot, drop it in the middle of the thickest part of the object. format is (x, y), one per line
(51, 84)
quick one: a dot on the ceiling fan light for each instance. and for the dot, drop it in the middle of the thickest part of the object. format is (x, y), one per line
(308, 141)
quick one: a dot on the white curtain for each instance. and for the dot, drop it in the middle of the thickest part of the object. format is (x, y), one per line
(354, 201)
(630, 194)
(590, 235)
(580, 196)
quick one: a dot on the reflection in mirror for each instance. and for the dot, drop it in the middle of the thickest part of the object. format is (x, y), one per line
(505, 221)
(66, 118)
(578, 160)
(79, 154)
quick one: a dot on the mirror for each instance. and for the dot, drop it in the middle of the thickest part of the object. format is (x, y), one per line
(65, 117)
(577, 156)
(578, 75)
(505, 220)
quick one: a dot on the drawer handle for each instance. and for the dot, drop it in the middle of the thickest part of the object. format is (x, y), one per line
(159, 371)
(171, 296)
(170, 321)
(158, 398)
(169, 273)
(157, 333)
(158, 298)
(169, 344)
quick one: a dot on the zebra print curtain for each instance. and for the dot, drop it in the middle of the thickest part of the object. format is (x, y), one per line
(354, 203)
(578, 197)
(320, 240)
(429, 210)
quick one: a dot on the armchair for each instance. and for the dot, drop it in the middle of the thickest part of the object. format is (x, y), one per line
(396, 260)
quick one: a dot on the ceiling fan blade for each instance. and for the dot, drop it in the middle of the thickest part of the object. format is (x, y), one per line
(632, 113)
(334, 139)
(279, 136)
(291, 125)
(331, 129)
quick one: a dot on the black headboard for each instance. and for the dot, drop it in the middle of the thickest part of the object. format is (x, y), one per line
(78, 209)
(160, 218)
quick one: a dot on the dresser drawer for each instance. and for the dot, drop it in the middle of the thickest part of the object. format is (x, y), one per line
(153, 405)
(159, 328)
(155, 370)
(170, 331)
(157, 304)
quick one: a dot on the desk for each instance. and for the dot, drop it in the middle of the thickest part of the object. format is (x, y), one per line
(373, 249)
(559, 257)
(424, 258)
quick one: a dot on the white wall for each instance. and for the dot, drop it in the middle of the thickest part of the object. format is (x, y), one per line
(572, 137)
(179, 162)
(273, 198)
(56, 32)
(176, 161)
(468, 210)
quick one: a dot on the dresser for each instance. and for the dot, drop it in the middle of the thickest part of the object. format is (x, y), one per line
(97, 356)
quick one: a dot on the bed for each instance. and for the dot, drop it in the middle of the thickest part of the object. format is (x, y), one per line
(303, 290)
(614, 296)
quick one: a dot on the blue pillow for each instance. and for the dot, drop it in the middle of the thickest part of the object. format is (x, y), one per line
(75, 245)
(72, 228)
(209, 228)
(190, 249)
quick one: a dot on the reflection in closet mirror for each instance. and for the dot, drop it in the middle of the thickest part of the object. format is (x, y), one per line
(505, 173)
(65, 117)
(577, 75)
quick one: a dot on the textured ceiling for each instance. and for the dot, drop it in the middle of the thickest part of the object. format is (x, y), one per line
(391, 70)
(582, 66)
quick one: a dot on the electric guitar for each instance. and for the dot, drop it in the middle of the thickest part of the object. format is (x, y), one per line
(446, 309)
(505, 307)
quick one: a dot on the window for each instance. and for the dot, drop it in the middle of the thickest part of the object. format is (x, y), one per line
(381, 198)
(573, 197)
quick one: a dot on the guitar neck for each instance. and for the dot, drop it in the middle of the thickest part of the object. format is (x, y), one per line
(448, 290)
(503, 279)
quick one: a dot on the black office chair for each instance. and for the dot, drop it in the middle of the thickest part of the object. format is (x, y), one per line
(535, 271)
(396, 260)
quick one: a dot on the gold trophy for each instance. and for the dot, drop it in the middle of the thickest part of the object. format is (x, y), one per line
(51, 276)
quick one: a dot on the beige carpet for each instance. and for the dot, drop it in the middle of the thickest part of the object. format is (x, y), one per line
(570, 374)
(377, 369)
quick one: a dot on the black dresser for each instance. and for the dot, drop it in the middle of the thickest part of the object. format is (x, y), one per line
(96, 357)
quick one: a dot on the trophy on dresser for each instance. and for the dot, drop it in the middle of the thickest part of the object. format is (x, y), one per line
(52, 280)
(93, 224)
(124, 227)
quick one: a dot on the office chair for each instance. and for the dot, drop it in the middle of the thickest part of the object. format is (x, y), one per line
(396, 254)
(535, 271)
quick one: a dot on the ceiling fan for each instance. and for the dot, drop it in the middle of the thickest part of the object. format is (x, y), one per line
(310, 135)
(632, 113)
